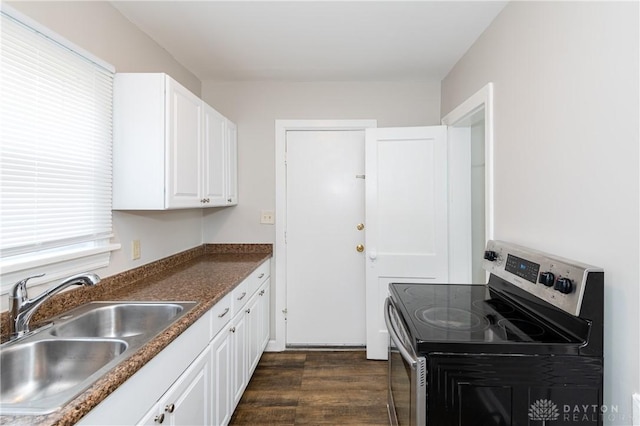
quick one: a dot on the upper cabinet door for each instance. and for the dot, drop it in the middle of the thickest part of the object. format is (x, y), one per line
(220, 184)
(214, 154)
(232, 163)
(183, 159)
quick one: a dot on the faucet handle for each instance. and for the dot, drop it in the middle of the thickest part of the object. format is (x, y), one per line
(19, 290)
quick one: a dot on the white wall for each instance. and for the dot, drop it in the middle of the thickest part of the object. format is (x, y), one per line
(255, 106)
(566, 114)
(100, 29)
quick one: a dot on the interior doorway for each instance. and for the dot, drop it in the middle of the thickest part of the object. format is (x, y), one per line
(470, 144)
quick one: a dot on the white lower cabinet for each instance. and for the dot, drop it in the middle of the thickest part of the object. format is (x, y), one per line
(258, 330)
(187, 402)
(236, 350)
(265, 323)
(239, 351)
(221, 374)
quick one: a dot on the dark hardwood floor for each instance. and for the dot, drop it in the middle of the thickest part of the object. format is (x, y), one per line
(315, 387)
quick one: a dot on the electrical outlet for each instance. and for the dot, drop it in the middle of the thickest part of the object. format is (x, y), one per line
(135, 249)
(267, 217)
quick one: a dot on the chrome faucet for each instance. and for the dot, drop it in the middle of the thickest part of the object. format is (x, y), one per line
(22, 308)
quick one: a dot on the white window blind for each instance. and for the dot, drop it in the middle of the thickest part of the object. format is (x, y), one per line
(55, 146)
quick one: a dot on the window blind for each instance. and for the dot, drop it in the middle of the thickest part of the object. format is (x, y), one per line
(55, 145)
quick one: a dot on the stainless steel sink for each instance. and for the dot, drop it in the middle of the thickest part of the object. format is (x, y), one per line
(118, 320)
(44, 370)
(36, 371)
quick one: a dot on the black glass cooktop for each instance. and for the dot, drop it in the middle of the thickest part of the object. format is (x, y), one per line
(440, 316)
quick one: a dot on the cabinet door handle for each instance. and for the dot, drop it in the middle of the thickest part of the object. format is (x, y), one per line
(232, 329)
(242, 296)
(169, 408)
(248, 311)
(261, 293)
(224, 313)
(159, 418)
(261, 275)
(229, 200)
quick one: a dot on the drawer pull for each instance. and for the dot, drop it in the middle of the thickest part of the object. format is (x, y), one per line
(169, 408)
(226, 311)
(244, 293)
(261, 293)
(232, 329)
(248, 311)
(261, 275)
(159, 418)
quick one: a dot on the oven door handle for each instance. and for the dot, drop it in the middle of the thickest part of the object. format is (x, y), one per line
(407, 353)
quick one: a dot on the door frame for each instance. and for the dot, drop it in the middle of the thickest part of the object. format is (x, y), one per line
(477, 107)
(278, 340)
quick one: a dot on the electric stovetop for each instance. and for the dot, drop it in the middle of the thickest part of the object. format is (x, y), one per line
(474, 318)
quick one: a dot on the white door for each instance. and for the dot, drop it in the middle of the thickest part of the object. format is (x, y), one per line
(324, 205)
(406, 217)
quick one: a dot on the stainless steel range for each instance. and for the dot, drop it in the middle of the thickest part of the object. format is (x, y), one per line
(523, 349)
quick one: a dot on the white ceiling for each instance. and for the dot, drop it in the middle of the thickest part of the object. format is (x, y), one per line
(314, 40)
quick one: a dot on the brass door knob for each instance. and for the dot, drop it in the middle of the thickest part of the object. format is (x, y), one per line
(359, 248)
(360, 226)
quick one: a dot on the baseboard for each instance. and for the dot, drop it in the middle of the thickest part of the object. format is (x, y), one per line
(325, 348)
(273, 346)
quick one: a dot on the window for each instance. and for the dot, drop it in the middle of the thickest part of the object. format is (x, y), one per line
(55, 154)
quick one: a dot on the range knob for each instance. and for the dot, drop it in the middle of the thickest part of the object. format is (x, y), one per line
(564, 285)
(547, 278)
(490, 255)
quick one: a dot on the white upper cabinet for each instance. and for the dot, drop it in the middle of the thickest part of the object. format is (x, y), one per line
(183, 164)
(220, 159)
(170, 149)
(232, 163)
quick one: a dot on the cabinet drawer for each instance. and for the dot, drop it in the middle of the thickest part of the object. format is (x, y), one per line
(259, 276)
(221, 313)
(240, 296)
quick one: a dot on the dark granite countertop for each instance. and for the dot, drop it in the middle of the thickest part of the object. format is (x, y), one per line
(204, 274)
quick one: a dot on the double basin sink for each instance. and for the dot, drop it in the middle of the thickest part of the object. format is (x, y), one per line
(44, 370)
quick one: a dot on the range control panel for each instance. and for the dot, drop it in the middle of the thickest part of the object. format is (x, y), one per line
(558, 281)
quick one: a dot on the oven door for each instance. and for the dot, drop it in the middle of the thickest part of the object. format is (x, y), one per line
(407, 394)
